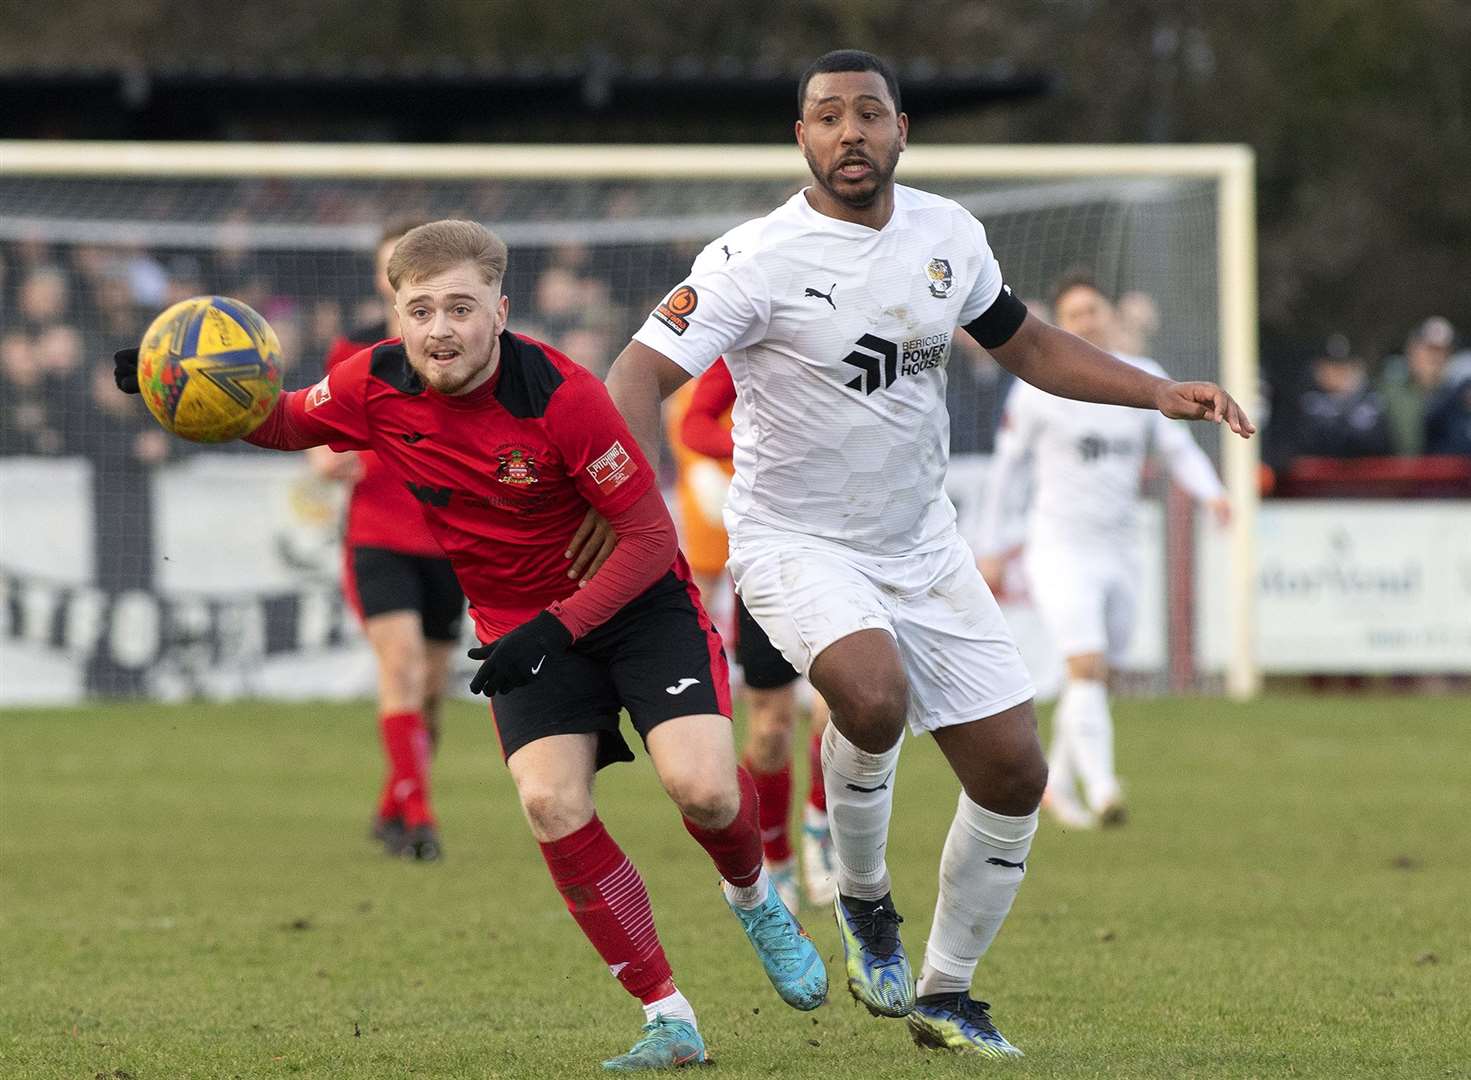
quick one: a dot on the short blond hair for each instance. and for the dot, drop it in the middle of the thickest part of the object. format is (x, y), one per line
(438, 246)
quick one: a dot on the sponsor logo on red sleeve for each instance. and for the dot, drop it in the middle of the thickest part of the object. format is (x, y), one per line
(614, 467)
(319, 394)
(675, 311)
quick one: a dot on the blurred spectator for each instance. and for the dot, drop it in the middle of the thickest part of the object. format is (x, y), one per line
(1137, 322)
(1340, 416)
(1448, 418)
(27, 425)
(185, 279)
(121, 437)
(45, 297)
(1409, 383)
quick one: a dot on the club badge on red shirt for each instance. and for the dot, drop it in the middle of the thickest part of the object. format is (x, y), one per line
(517, 467)
(612, 468)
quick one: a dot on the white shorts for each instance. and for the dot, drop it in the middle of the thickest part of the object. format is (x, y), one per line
(957, 651)
(1086, 598)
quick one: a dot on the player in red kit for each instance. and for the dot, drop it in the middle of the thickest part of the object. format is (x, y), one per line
(771, 692)
(397, 580)
(507, 443)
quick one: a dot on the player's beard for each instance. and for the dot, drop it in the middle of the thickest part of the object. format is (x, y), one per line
(451, 379)
(863, 193)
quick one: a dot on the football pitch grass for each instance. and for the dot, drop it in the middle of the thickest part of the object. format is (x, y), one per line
(188, 891)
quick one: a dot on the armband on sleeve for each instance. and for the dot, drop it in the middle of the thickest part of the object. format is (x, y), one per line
(999, 322)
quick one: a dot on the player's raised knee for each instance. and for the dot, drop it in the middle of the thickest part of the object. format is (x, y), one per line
(707, 798)
(872, 711)
(1018, 784)
(553, 812)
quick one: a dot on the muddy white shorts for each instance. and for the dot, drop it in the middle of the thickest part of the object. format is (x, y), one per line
(957, 651)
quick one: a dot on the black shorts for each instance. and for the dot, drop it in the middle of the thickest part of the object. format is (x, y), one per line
(386, 581)
(659, 657)
(763, 665)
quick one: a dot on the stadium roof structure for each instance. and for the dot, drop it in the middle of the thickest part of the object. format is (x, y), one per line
(583, 99)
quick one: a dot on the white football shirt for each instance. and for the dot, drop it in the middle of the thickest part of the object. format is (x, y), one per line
(837, 337)
(1087, 461)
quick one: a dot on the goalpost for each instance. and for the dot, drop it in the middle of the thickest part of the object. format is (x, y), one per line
(597, 234)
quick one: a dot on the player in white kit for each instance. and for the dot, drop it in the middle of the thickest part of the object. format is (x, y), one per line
(1086, 463)
(835, 314)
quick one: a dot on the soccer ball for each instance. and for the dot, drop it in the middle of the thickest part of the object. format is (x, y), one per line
(209, 369)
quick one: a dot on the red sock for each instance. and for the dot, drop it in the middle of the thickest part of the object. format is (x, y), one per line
(774, 808)
(735, 849)
(387, 804)
(406, 744)
(607, 898)
(816, 793)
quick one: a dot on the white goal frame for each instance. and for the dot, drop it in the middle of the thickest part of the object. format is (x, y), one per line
(1232, 167)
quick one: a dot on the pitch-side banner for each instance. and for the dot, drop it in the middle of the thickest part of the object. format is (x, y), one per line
(218, 578)
(214, 578)
(1355, 587)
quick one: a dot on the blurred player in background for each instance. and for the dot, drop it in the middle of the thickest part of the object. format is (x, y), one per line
(1087, 462)
(506, 443)
(835, 314)
(698, 422)
(700, 484)
(398, 581)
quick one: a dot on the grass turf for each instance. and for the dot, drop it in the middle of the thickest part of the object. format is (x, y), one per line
(188, 891)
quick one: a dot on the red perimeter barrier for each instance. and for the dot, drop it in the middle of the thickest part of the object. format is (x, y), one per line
(1441, 477)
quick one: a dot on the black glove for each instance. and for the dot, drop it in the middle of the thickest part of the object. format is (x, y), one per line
(514, 659)
(125, 370)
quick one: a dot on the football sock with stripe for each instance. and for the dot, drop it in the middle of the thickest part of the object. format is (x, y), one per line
(981, 869)
(860, 800)
(606, 895)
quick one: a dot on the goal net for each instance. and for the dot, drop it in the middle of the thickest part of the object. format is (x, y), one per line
(132, 564)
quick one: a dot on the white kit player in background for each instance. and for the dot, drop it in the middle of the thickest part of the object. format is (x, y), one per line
(835, 314)
(1081, 563)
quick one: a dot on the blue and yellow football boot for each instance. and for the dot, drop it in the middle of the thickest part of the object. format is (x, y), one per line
(878, 971)
(666, 1043)
(960, 1024)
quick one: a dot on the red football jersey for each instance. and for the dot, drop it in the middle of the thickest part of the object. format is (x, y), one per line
(504, 474)
(380, 511)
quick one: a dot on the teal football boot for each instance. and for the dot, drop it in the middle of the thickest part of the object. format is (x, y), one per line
(666, 1043)
(785, 950)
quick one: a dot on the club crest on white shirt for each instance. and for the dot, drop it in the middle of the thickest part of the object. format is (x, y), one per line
(941, 278)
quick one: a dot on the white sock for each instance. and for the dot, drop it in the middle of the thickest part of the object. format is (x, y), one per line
(1062, 781)
(981, 869)
(748, 896)
(1090, 735)
(675, 1005)
(859, 819)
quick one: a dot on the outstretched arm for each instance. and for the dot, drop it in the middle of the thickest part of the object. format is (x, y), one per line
(329, 413)
(1060, 363)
